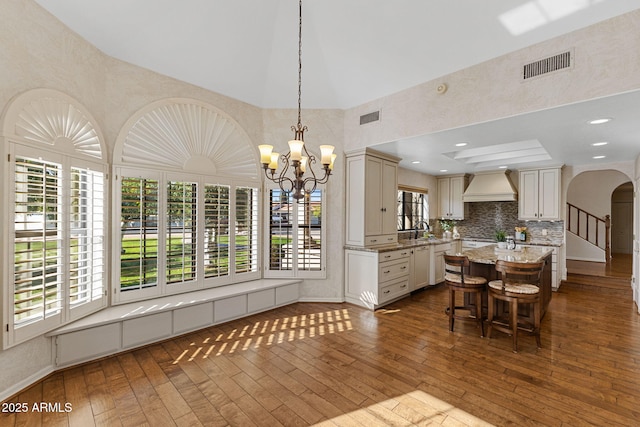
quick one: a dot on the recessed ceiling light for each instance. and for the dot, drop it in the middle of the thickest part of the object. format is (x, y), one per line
(599, 121)
(598, 144)
(461, 144)
(415, 162)
(599, 157)
(443, 170)
(502, 167)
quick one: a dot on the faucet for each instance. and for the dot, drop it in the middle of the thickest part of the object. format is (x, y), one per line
(426, 227)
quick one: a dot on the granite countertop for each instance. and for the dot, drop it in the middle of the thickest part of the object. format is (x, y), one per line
(536, 242)
(402, 244)
(490, 254)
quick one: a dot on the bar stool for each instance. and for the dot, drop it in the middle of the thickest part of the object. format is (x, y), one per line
(520, 284)
(458, 281)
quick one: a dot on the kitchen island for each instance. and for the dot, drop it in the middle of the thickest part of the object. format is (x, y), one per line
(482, 263)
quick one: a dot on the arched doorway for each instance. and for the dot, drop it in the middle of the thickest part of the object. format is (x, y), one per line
(622, 220)
(601, 193)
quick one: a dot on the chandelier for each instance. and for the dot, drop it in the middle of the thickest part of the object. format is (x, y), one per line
(298, 158)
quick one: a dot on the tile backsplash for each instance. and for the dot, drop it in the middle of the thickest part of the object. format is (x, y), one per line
(484, 218)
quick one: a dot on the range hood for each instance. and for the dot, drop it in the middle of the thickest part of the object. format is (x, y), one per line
(493, 186)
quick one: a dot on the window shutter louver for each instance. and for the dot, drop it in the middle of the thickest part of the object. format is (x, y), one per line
(246, 235)
(216, 230)
(139, 233)
(38, 245)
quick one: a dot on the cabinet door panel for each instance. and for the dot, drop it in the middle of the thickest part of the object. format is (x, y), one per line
(373, 197)
(456, 205)
(443, 198)
(548, 201)
(528, 197)
(389, 186)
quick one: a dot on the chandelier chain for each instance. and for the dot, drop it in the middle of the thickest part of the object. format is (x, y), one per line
(299, 63)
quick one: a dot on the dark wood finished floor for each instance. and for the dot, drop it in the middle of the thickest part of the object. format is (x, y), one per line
(338, 364)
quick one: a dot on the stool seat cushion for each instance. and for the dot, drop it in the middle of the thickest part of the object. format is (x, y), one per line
(515, 288)
(468, 280)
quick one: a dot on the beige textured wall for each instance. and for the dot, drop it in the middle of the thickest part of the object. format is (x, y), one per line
(36, 50)
(607, 57)
(324, 127)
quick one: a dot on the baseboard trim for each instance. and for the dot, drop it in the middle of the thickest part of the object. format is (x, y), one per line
(26, 383)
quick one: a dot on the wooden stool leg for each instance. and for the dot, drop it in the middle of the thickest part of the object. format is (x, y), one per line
(514, 323)
(490, 303)
(479, 312)
(536, 323)
(452, 307)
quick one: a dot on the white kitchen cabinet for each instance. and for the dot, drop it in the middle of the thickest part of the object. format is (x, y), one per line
(450, 191)
(556, 276)
(372, 197)
(420, 260)
(539, 196)
(437, 261)
(373, 279)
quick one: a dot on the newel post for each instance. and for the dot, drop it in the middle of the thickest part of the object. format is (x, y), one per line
(607, 236)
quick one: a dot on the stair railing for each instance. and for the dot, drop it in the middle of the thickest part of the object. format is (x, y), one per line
(590, 227)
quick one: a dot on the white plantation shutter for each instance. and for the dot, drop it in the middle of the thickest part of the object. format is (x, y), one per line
(216, 230)
(181, 230)
(295, 235)
(139, 233)
(309, 215)
(55, 214)
(281, 223)
(87, 231)
(246, 233)
(58, 249)
(38, 244)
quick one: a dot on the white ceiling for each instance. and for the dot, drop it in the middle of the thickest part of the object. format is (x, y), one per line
(355, 51)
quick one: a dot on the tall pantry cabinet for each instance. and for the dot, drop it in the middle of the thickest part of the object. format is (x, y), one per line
(372, 193)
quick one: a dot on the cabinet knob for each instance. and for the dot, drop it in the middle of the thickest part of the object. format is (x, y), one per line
(387, 271)
(387, 291)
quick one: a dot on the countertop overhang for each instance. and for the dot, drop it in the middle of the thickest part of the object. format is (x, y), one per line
(402, 244)
(491, 253)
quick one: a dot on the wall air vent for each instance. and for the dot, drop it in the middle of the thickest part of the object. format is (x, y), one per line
(368, 118)
(547, 65)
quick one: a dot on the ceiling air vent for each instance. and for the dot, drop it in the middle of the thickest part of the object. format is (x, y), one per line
(368, 118)
(547, 65)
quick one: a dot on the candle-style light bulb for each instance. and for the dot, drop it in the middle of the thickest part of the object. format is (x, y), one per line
(333, 159)
(326, 151)
(295, 147)
(273, 162)
(265, 153)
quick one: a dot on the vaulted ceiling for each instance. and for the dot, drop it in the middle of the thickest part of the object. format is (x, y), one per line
(353, 51)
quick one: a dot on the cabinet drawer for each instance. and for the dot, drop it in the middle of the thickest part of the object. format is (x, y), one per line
(392, 270)
(394, 255)
(393, 290)
(384, 239)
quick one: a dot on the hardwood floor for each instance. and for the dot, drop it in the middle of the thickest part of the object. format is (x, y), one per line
(620, 266)
(340, 365)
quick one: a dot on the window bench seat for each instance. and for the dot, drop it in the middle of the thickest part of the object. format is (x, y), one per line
(123, 327)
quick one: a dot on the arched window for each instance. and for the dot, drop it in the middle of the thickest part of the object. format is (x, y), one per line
(186, 193)
(56, 210)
